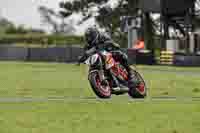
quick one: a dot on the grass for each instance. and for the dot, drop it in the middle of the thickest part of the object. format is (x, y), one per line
(99, 117)
(120, 114)
(52, 79)
(41, 80)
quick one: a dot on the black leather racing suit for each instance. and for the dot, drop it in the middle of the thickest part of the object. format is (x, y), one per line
(105, 43)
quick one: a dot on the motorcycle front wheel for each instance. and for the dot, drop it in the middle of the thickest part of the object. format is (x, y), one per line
(102, 91)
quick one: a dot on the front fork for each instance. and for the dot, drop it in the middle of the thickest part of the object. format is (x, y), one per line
(99, 67)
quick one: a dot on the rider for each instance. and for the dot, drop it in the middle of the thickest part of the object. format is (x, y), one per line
(97, 41)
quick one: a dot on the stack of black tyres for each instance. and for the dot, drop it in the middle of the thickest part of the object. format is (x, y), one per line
(144, 57)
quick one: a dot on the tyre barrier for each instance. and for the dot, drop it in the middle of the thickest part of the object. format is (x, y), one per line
(144, 57)
(131, 56)
(166, 58)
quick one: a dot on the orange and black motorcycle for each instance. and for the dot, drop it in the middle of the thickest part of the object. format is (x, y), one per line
(115, 77)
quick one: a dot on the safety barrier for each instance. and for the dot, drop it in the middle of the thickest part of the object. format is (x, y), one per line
(54, 54)
(65, 54)
(144, 57)
(166, 58)
(186, 60)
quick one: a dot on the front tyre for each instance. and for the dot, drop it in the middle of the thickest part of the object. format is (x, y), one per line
(102, 91)
(137, 87)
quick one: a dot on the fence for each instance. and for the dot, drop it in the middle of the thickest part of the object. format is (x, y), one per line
(55, 54)
(186, 60)
(64, 54)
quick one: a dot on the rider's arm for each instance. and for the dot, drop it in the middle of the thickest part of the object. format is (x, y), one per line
(109, 46)
(108, 42)
(87, 52)
(90, 51)
(112, 44)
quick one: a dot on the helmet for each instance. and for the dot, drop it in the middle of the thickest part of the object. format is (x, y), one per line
(92, 35)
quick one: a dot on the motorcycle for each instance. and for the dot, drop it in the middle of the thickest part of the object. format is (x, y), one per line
(115, 77)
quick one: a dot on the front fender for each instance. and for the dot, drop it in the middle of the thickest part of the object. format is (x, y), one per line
(93, 60)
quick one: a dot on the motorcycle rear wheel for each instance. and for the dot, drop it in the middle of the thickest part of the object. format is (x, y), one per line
(137, 87)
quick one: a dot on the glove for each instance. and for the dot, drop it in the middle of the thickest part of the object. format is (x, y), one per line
(81, 59)
(78, 63)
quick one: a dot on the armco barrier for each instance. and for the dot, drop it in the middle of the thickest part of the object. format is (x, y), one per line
(183, 60)
(48, 54)
(63, 54)
(75, 52)
(13, 53)
(55, 54)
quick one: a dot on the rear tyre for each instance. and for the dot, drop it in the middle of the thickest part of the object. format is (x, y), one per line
(137, 86)
(102, 91)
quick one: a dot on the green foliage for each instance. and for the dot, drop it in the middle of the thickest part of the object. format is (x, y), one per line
(16, 30)
(4, 25)
(107, 17)
(51, 17)
(41, 39)
(121, 39)
(7, 27)
(22, 30)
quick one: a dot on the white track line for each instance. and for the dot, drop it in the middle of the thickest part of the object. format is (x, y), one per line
(94, 99)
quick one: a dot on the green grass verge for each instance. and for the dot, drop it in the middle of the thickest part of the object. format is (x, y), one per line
(120, 114)
(52, 79)
(98, 117)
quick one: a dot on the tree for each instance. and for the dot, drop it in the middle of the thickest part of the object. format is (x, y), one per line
(16, 30)
(5, 24)
(107, 17)
(56, 21)
(22, 30)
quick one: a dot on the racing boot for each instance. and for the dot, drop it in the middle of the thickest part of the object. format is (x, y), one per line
(132, 80)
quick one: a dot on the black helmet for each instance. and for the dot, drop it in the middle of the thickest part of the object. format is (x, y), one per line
(92, 35)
